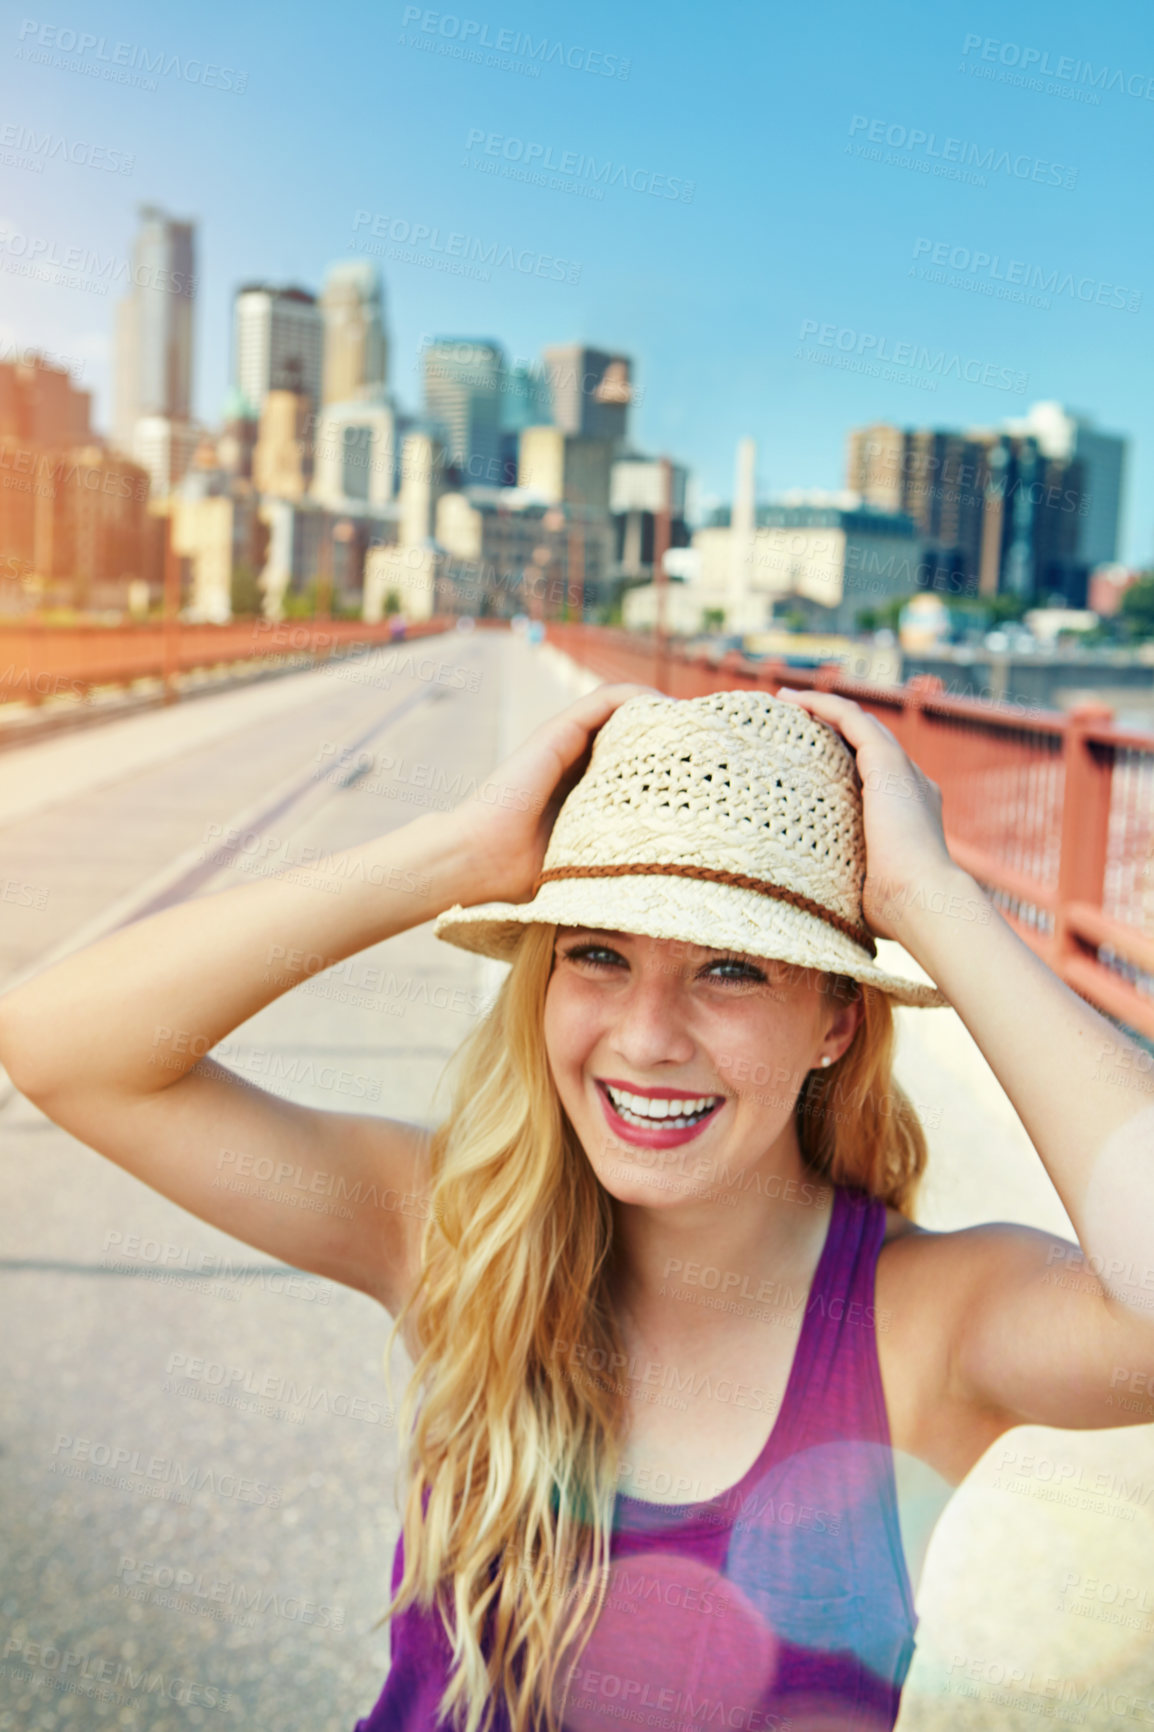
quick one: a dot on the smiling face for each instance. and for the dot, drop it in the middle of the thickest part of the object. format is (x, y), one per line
(673, 1061)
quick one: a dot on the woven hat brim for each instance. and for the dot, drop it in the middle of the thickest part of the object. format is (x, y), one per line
(717, 916)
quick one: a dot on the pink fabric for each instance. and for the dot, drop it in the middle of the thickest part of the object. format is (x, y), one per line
(784, 1602)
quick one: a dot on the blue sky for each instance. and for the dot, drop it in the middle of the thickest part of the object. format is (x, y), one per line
(761, 305)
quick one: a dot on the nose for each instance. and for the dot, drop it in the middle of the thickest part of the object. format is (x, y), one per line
(651, 1027)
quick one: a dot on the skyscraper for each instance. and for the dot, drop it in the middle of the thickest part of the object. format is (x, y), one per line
(1031, 523)
(463, 382)
(935, 476)
(356, 355)
(278, 343)
(526, 401)
(154, 326)
(591, 391)
(1073, 438)
(997, 513)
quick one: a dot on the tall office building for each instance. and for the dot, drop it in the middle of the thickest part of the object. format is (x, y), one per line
(154, 327)
(590, 390)
(637, 487)
(996, 513)
(282, 459)
(279, 340)
(936, 477)
(525, 401)
(464, 379)
(1031, 523)
(1073, 438)
(563, 468)
(354, 455)
(356, 355)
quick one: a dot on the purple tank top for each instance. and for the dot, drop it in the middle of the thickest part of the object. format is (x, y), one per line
(783, 1602)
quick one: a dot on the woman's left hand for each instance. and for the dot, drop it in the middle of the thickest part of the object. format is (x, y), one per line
(901, 810)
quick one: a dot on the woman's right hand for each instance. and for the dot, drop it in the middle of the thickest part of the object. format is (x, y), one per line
(507, 823)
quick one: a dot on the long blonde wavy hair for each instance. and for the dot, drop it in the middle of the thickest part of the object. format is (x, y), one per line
(515, 1448)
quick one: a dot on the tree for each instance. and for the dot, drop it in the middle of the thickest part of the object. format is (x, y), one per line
(302, 604)
(1006, 607)
(884, 617)
(1137, 608)
(245, 595)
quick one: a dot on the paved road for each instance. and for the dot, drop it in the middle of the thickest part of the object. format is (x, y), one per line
(192, 1548)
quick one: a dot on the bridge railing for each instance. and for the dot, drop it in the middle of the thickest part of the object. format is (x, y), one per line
(1053, 813)
(38, 661)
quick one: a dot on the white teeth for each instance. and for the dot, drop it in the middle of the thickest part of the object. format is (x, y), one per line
(644, 1109)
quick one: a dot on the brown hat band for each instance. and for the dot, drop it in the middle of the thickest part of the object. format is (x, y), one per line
(660, 869)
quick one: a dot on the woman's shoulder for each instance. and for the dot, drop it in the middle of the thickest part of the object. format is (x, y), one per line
(925, 1282)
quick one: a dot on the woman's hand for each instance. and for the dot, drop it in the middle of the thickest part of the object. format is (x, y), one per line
(906, 848)
(506, 824)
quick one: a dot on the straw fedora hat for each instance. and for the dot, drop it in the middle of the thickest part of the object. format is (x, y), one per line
(732, 821)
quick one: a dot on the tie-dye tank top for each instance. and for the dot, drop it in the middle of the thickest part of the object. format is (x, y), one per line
(780, 1605)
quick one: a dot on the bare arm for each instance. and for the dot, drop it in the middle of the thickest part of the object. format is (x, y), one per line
(1042, 1330)
(110, 1041)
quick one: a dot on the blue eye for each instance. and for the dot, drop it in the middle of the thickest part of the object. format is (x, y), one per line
(599, 955)
(738, 970)
(735, 968)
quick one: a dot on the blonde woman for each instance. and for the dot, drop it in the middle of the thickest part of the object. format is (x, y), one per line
(684, 1366)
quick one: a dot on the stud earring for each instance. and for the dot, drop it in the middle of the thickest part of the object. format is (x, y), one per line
(826, 1061)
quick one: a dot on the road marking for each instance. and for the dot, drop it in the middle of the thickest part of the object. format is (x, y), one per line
(189, 871)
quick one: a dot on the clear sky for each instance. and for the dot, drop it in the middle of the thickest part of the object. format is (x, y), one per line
(835, 151)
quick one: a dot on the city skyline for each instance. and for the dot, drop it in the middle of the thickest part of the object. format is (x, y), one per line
(800, 248)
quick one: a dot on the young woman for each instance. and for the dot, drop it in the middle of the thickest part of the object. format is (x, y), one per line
(684, 1366)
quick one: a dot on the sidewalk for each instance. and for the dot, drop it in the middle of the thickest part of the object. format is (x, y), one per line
(1042, 1567)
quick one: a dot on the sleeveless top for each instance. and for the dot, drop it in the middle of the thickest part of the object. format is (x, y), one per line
(781, 1603)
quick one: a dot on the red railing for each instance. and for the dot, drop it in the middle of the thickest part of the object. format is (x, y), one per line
(1053, 813)
(39, 661)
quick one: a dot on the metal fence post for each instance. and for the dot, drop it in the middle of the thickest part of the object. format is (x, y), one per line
(170, 629)
(915, 732)
(1088, 772)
